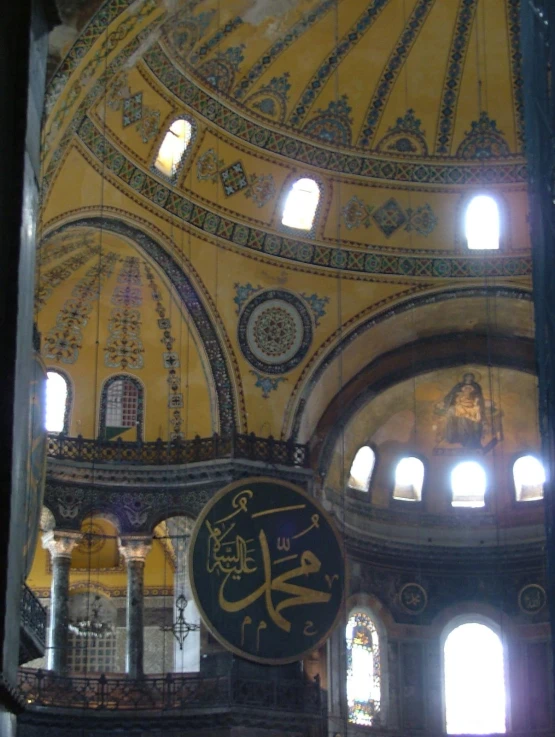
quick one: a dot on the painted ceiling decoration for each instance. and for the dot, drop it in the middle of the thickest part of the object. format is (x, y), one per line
(197, 287)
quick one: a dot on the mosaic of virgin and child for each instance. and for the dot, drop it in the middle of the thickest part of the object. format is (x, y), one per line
(464, 411)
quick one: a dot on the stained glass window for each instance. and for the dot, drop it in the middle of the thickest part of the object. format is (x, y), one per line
(361, 469)
(474, 681)
(302, 202)
(122, 401)
(363, 670)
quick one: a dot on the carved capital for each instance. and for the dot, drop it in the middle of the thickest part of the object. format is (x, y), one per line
(135, 547)
(60, 544)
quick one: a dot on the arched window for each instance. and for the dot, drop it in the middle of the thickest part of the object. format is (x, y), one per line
(300, 206)
(481, 223)
(468, 484)
(409, 479)
(121, 408)
(474, 681)
(529, 477)
(57, 402)
(361, 469)
(363, 670)
(174, 145)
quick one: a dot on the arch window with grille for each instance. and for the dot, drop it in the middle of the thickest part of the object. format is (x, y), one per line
(362, 469)
(57, 402)
(474, 680)
(468, 484)
(173, 147)
(482, 223)
(301, 205)
(363, 670)
(409, 479)
(121, 407)
(529, 478)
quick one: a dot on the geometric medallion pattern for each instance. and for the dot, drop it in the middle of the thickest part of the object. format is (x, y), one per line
(124, 348)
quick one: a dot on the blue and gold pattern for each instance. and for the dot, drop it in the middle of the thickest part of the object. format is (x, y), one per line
(405, 137)
(483, 140)
(453, 76)
(272, 244)
(124, 347)
(332, 125)
(267, 384)
(392, 69)
(271, 100)
(389, 217)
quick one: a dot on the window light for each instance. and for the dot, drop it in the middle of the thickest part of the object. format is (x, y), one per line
(482, 223)
(468, 484)
(529, 478)
(301, 204)
(173, 147)
(361, 470)
(363, 670)
(56, 401)
(474, 681)
(409, 479)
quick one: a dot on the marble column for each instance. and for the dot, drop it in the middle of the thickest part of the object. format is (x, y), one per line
(187, 658)
(60, 545)
(134, 550)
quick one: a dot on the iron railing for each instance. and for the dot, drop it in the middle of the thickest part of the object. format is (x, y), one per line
(38, 688)
(33, 615)
(178, 452)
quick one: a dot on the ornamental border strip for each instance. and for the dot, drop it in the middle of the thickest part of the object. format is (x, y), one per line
(304, 152)
(228, 404)
(458, 50)
(273, 244)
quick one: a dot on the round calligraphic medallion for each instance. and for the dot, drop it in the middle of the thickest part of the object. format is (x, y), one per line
(413, 598)
(275, 331)
(532, 598)
(267, 570)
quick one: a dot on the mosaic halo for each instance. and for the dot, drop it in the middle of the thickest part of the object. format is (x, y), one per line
(275, 331)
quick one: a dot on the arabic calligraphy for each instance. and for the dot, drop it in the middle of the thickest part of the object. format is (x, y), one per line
(267, 570)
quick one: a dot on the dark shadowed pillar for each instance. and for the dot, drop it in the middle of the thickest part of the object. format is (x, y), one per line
(60, 545)
(134, 550)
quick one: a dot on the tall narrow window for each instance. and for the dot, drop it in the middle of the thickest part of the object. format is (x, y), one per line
(474, 681)
(121, 408)
(468, 484)
(409, 479)
(173, 147)
(529, 477)
(482, 223)
(301, 204)
(361, 469)
(56, 402)
(363, 670)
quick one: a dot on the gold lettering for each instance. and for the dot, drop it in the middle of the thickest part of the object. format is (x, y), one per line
(261, 626)
(246, 620)
(283, 543)
(229, 557)
(239, 503)
(331, 579)
(309, 628)
(278, 509)
(315, 524)
(299, 595)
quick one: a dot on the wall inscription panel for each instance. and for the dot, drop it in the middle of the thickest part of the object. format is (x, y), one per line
(267, 570)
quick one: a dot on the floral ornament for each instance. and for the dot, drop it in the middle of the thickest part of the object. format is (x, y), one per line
(421, 219)
(208, 166)
(244, 292)
(149, 125)
(261, 189)
(268, 384)
(356, 213)
(118, 92)
(317, 305)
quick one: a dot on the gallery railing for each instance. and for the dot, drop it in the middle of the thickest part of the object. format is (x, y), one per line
(33, 615)
(38, 688)
(177, 452)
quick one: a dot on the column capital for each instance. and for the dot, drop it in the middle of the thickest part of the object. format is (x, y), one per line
(135, 547)
(61, 543)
